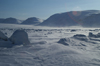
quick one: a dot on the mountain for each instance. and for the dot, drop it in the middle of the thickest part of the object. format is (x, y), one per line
(72, 18)
(10, 21)
(92, 21)
(1, 20)
(32, 20)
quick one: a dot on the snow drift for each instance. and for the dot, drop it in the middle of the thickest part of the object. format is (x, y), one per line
(19, 37)
(50, 53)
(3, 37)
(4, 41)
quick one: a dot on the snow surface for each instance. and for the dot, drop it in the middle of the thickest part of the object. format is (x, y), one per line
(46, 50)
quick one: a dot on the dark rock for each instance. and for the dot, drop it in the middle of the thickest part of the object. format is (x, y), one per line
(81, 37)
(63, 41)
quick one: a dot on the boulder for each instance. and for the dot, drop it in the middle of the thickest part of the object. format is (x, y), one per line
(94, 35)
(19, 37)
(63, 41)
(91, 34)
(81, 37)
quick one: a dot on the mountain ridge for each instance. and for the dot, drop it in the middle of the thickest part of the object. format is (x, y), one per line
(72, 18)
(32, 20)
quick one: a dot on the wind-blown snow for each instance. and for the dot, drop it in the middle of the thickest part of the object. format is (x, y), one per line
(47, 47)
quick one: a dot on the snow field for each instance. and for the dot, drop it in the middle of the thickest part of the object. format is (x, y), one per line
(45, 49)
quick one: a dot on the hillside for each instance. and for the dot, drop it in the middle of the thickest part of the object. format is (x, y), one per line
(10, 21)
(32, 20)
(1, 20)
(92, 21)
(72, 18)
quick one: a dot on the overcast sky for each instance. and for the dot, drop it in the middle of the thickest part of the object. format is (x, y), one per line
(23, 9)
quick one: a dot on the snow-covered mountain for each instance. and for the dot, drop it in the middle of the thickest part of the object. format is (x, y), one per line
(72, 18)
(11, 21)
(92, 21)
(32, 20)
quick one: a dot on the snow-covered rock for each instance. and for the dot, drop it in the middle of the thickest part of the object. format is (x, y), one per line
(91, 34)
(81, 37)
(98, 35)
(19, 37)
(4, 42)
(94, 35)
(63, 41)
(3, 37)
(11, 21)
(72, 18)
(32, 20)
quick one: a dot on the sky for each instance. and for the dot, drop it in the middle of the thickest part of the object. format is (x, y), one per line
(43, 9)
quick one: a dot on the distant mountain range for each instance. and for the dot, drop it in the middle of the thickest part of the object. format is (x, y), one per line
(87, 18)
(1, 20)
(73, 18)
(32, 20)
(10, 21)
